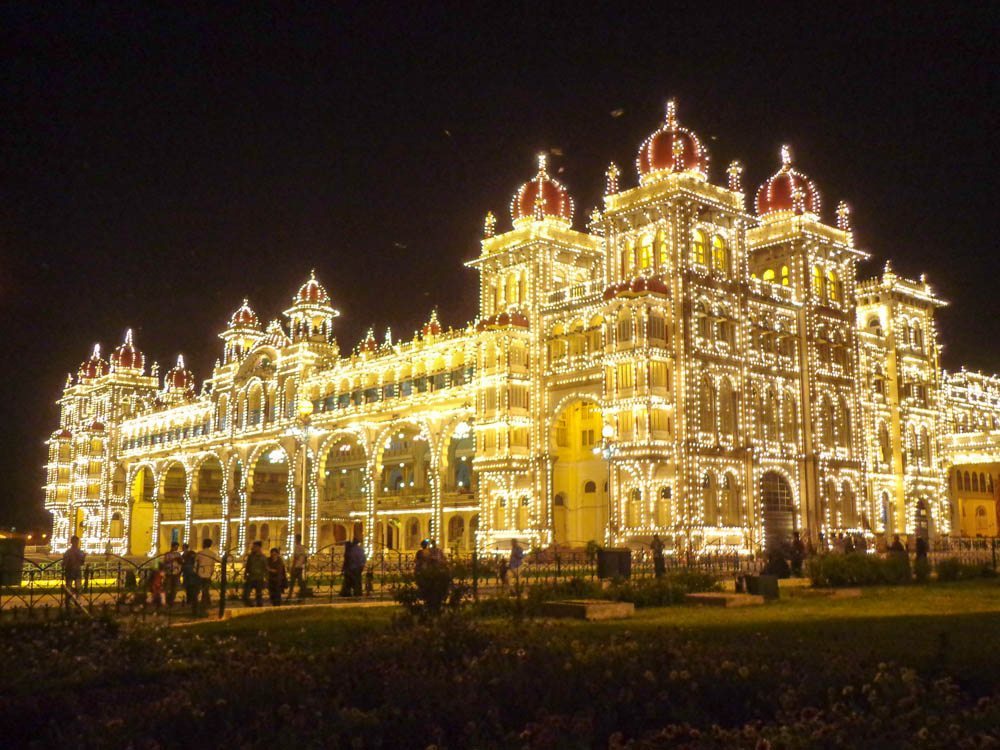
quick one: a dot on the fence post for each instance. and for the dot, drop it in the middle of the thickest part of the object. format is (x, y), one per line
(223, 581)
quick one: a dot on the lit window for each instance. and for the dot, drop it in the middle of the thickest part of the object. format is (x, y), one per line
(698, 250)
(719, 259)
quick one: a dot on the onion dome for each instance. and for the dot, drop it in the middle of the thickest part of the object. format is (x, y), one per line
(179, 378)
(312, 292)
(542, 198)
(244, 317)
(63, 435)
(126, 356)
(94, 367)
(636, 286)
(433, 326)
(672, 148)
(514, 318)
(97, 427)
(787, 190)
(369, 345)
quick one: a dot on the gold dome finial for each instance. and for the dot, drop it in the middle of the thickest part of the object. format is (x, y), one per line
(786, 156)
(672, 114)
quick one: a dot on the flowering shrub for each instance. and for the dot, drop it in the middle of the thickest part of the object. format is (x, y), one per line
(461, 682)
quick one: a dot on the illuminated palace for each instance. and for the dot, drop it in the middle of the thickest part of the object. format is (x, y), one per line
(687, 365)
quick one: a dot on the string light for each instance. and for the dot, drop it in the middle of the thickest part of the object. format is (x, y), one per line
(730, 365)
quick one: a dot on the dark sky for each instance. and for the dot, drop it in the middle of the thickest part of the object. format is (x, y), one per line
(158, 165)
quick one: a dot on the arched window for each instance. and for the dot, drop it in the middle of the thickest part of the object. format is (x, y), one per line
(710, 496)
(730, 502)
(646, 252)
(770, 416)
(703, 322)
(785, 280)
(918, 337)
(817, 281)
(883, 442)
(925, 446)
(661, 249)
(832, 285)
(966, 482)
(844, 424)
(699, 250)
(790, 426)
(624, 326)
(707, 405)
(727, 408)
(975, 482)
(720, 258)
(769, 275)
(589, 487)
(828, 417)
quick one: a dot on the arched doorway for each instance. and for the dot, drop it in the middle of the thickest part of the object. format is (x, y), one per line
(206, 500)
(579, 476)
(172, 503)
(267, 496)
(778, 509)
(140, 526)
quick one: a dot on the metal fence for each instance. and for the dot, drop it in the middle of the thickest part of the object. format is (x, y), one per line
(118, 585)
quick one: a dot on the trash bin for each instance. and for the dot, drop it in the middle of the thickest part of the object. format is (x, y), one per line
(766, 586)
(11, 561)
(614, 563)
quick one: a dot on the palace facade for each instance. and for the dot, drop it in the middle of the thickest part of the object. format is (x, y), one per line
(686, 365)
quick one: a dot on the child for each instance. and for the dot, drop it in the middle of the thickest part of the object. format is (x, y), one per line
(156, 586)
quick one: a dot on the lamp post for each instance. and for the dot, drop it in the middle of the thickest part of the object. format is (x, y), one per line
(608, 450)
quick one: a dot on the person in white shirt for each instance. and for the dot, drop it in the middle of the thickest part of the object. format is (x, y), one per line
(204, 564)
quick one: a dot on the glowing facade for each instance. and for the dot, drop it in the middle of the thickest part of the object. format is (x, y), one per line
(685, 366)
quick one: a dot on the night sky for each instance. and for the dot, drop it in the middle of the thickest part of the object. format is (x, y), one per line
(159, 165)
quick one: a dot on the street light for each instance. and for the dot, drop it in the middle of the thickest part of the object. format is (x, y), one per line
(608, 450)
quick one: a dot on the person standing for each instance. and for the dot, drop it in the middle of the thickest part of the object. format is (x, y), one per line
(172, 572)
(72, 562)
(254, 574)
(922, 549)
(276, 577)
(205, 568)
(345, 569)
(298, 566)
(423, 557)
(189, 576)
(356, 565)
(659, 567)
(516, 558)
(798, 554)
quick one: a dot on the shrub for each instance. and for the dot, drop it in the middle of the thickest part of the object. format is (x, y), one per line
(953, 569)
(858, 570)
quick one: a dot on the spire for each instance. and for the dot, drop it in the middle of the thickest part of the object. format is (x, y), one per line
(180, 361)
(735, 173)
(387, 342)
(672, 114)
(97, 352)
(128, 337)
(786, 156)
(542, 163)
(612, 174)
(489, 224)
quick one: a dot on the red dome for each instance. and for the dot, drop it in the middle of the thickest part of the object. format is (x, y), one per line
(369, 344)
(244, 317)
(781, 191)
(542, 198)
(636, 286)
(63, 435)
(433, 326)
(126, 356)
(179, 378)
(503, 320)
(672, 148)
(97, 427)
(312, 292)
(94, 367)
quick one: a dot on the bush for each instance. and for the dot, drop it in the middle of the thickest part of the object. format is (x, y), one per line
(953, 569)
(858, 570)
